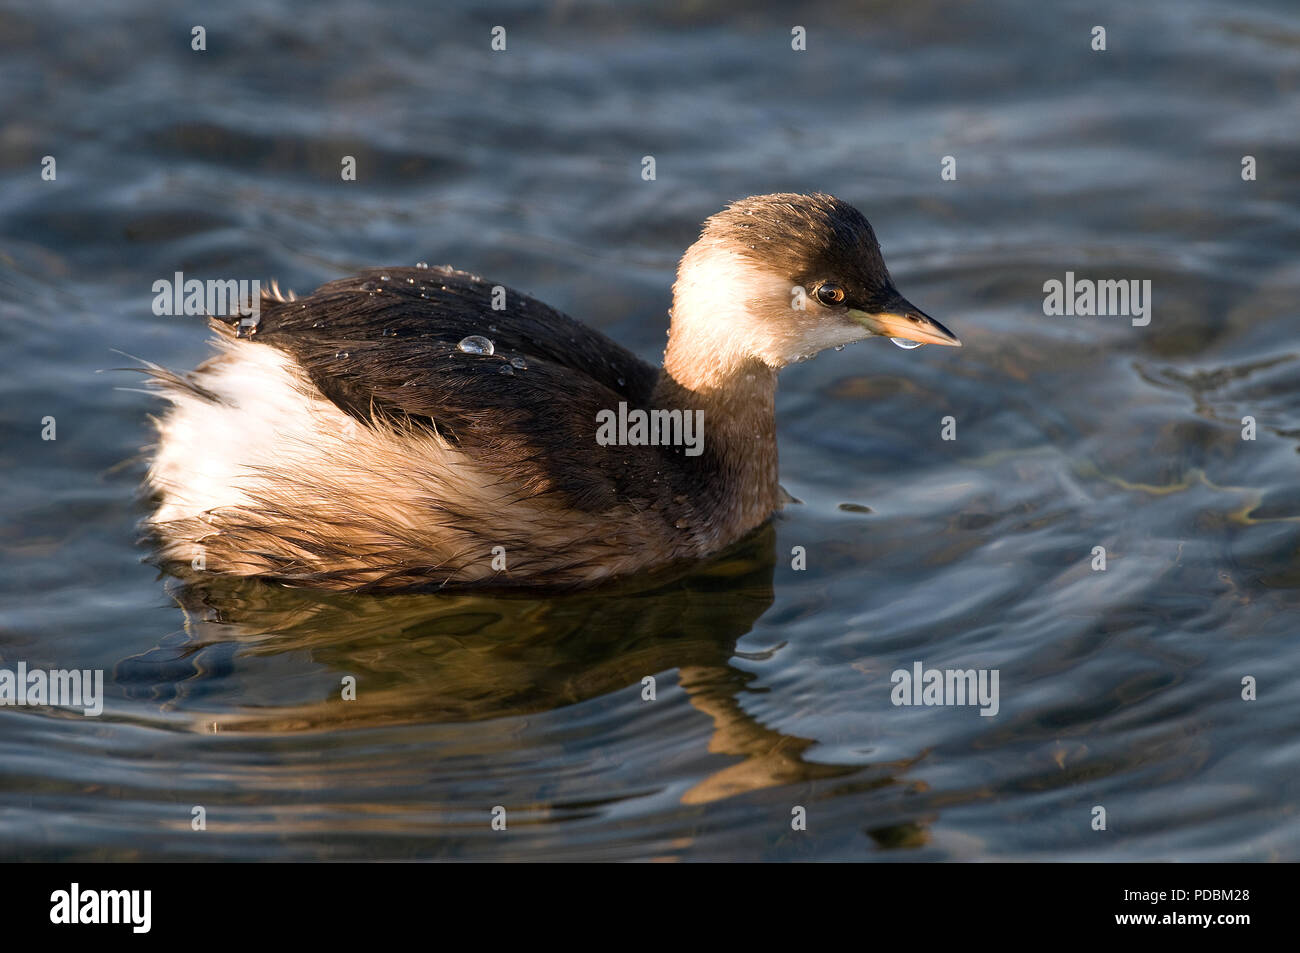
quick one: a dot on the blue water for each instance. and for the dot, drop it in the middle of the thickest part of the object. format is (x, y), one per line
(1119, 689)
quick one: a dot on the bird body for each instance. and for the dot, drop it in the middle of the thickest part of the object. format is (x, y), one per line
(394, 429)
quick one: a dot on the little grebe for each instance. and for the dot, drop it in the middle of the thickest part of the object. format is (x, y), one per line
(417, 426)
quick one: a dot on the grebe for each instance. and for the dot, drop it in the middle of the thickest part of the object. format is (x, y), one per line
(422, 426)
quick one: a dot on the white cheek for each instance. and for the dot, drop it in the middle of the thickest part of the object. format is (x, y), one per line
(788, 336)
(728, 305)
(829, 333)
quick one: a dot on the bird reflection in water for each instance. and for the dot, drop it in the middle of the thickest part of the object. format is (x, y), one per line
(445, 658)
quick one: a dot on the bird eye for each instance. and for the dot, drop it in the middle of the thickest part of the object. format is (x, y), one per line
(830, 294)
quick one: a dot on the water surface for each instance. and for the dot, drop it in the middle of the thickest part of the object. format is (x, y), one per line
(1119, 688)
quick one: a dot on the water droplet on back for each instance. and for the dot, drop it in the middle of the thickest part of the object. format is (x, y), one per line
(518, 363)
(507, 370)
(476, 344)
(368, 286)
(422, 265)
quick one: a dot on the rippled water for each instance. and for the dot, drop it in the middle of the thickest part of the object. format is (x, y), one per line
(1119, 688)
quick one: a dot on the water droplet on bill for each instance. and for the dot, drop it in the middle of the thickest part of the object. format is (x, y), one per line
(905, 344)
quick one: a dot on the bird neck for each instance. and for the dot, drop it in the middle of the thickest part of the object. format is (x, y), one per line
(738, 397)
